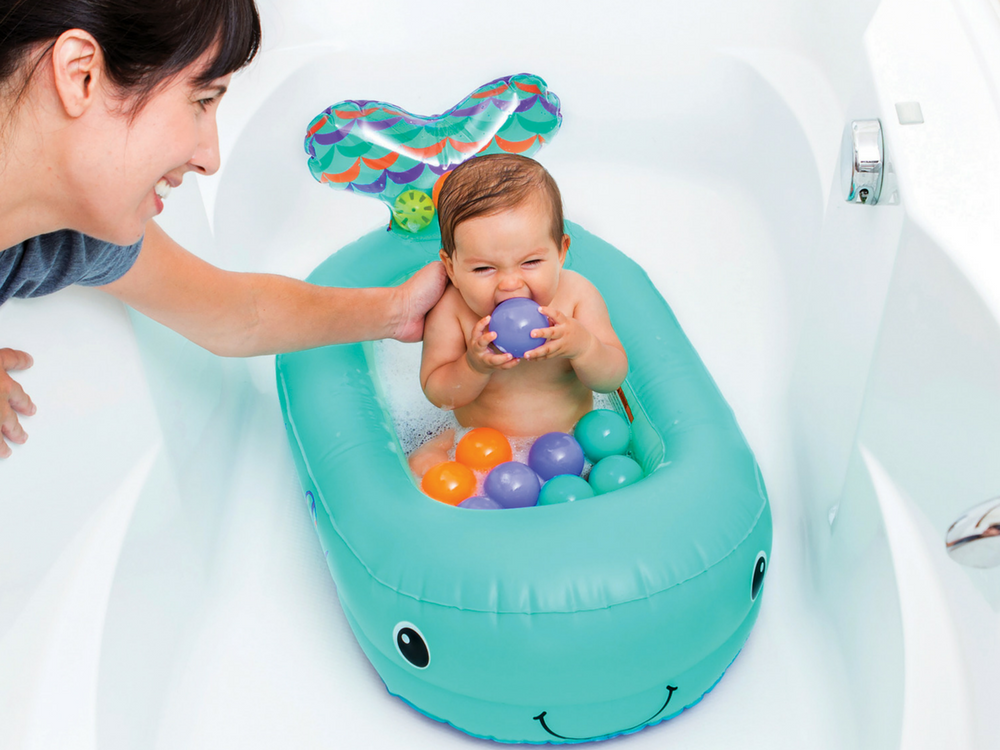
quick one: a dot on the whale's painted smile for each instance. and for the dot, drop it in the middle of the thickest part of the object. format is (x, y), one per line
(541, 718)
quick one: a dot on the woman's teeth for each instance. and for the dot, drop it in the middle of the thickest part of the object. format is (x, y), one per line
(162, 188)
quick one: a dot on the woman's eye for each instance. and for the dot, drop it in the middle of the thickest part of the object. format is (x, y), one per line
(206, 103)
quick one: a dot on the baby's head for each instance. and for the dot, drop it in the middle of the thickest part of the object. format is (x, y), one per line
(502, 231)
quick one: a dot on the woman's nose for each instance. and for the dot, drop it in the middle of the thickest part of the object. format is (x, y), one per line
(205, 159)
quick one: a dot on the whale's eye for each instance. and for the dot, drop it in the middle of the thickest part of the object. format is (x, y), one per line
(759, 567)
(411, 645)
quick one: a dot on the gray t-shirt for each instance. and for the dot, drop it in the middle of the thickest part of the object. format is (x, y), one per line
(52, 261)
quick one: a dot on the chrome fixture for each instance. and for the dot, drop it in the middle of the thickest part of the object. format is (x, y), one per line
(974, 539)
(862, 159)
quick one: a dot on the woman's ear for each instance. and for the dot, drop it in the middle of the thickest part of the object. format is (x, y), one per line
(77, 66)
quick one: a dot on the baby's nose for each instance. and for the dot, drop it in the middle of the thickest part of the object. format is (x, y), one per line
(510, 281)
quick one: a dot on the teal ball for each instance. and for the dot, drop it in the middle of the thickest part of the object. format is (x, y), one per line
(613, 473)
(564, 488)
(602, 433)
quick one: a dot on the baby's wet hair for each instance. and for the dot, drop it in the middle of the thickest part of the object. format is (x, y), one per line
(492, 183)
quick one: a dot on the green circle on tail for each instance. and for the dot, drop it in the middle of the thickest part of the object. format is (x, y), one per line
(413, 210)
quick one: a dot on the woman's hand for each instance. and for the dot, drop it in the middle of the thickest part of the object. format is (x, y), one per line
(418, 295)
(481, 357)
(13, 399)
(567, 337)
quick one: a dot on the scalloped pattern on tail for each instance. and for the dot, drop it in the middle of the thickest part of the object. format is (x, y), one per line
(382, 150)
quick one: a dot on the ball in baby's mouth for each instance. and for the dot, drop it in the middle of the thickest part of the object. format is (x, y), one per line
(512, 321)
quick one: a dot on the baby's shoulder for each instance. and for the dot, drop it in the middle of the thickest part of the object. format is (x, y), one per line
(451, 302)
(449, 310)
(577, 288)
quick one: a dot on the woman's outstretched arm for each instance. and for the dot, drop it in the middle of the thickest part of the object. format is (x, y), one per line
(244, 314)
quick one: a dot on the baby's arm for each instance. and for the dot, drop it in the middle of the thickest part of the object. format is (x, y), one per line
(453, 371)
(585, 338)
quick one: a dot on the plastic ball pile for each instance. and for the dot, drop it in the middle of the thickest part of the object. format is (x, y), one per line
(552, 473)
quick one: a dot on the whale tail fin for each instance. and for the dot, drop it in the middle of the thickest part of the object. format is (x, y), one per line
(400, 158)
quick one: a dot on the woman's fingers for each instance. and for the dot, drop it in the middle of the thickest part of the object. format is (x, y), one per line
(19, 400)
(13, 399)
(11, 429)
(417, 296)
(14, 359)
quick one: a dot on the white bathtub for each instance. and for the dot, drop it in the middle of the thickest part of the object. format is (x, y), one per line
(161, 585)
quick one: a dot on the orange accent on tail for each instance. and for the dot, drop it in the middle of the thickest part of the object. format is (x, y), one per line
(529, 87)
(346, 176)
(347, 114)
(423, 153)
(386, 161)
(628, 410)
(515, 147)
(492, 92)
(467, 148)
(315, 128)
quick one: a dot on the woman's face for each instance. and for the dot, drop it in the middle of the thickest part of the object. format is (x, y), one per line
(118, 162)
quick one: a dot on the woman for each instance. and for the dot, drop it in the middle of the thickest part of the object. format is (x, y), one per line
(108, 104)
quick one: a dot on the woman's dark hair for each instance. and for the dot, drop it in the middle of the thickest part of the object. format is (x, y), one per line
(144, 42)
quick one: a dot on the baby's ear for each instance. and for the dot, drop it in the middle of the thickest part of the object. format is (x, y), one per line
(563, 249)
(449, 264)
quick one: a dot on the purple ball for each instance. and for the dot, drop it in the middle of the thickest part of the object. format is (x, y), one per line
(513, 485)
(512, 321)
(480, 503)
(556, 453)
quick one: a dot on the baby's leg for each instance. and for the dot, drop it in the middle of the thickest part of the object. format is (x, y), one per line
(431, 453)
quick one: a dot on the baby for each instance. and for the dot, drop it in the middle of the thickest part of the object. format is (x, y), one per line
(502, 236)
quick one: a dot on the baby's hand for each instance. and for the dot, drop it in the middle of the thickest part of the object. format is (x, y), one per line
(481, 357)
(566, 337)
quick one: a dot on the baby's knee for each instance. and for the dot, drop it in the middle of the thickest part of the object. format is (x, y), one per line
(431, 453)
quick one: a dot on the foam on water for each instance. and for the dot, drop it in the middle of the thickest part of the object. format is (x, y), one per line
(415, 418)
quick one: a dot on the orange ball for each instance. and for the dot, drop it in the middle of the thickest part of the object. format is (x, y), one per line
(483, 448)
(450, 482)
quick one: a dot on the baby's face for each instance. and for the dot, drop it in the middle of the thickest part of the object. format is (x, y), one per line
(505, 255)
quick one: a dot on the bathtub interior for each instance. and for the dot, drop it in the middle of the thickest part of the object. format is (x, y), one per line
(160, 582)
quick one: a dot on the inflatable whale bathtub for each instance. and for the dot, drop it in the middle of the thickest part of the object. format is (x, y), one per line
(562, 623)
